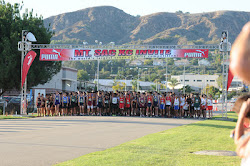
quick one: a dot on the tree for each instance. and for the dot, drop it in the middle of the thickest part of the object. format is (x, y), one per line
(82, 75)
(173, 82)
(211, 90)
(220, 81)
(11, 26)
(188, 89)
(118, 86)
(134, 84)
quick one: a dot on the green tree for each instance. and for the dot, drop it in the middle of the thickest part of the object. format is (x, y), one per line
(118, 86)
(220, 81)
(211, 90)
(148, 62)
(173, 82)
(11, 26)
(134, 84)
(82, 75)
(188, 89)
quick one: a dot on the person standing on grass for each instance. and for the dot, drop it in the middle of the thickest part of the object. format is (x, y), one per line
(89, 103)
(43, 105)
(128, 104)
(162, 104)
(197, 105)
(134, 104)
(149, 104)
(114, 104)
(81, 103)
(99, 104)
(106, 105)
(156, 104)
(203, 105)
(38, 105)
(142, 104)
(168, 105)
(121, 104)
(73, 103)
(182, 103)
(186, 109)
(65, 104)
(210, 106)
(47, 105)
(57, 103)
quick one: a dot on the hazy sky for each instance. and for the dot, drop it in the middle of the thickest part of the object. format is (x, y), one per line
(48, 8)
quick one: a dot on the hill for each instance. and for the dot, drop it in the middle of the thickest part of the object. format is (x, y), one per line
(106, 24)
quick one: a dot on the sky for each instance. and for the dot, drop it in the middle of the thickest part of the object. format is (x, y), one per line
(48, 8)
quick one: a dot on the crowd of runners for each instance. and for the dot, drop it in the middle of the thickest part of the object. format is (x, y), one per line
(148, 104)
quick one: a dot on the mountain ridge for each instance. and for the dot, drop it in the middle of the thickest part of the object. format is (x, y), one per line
(110, 24)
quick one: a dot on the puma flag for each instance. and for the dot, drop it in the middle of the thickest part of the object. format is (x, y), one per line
(230, 78)
(29, 58)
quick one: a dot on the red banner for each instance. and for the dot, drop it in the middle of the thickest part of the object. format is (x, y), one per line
(95, 54)
(29, 58)
(230, 78)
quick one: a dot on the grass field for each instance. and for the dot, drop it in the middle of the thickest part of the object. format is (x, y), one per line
(170, 147)
(13, 117)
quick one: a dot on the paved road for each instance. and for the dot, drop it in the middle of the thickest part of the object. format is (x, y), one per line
(50, 140)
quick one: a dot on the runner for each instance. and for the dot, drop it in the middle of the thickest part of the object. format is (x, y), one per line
(182, 102)
(81, 103)
(156, 104)
(162, 104)
(107, 105)
(128, 105)
(142, 103)
(149, 105)
(210, 106)
(38, 105)
(114, 104)
(57, 102)
(134, 104)
(100, 104)
(168, 105)
(89, 104)
(197, 103)
(176, 106)
(64, 104)
(121, 104)
(43, 105)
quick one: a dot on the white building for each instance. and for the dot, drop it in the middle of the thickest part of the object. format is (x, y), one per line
(236, 85)
(106, 84)
(65, 80)
(197, 82)
(158, 62)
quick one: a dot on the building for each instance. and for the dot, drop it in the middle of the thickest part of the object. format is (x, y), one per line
(65, 80)
(197, 82)
(106, 84)
(136, 62)
(158, 62)
(236, 85)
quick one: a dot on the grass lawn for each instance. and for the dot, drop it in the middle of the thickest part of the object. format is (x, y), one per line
(170, 147)
(13, 117)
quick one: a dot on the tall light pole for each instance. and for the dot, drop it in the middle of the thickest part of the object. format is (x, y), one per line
(24, 47)
(98, 65)
(138, 80)
(166, 74)
(184, 88)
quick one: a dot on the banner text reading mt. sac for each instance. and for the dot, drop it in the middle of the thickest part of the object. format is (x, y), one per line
(95, 54)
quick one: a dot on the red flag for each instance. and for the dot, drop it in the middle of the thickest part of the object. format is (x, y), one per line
(230, 78)
(29, 58)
